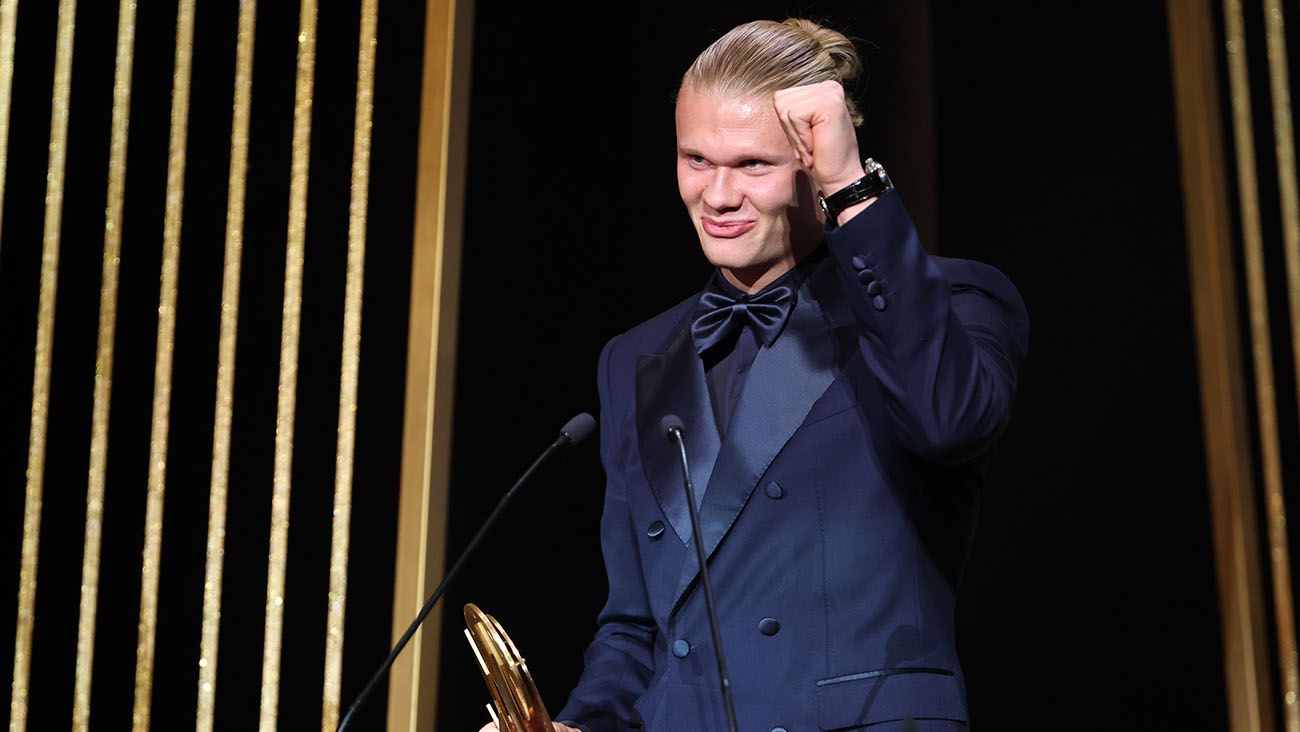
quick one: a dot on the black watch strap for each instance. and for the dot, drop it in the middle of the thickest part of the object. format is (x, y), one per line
(873, 184)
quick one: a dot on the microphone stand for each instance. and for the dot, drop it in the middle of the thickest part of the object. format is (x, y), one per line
(674, 430)
(574, 431)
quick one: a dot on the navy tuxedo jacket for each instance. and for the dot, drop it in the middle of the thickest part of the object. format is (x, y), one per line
(837, 510)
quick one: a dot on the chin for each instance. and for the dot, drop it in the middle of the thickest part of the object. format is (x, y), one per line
(738, 253)
(728, 257)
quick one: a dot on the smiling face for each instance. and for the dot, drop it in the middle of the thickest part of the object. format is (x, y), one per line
(747, 195)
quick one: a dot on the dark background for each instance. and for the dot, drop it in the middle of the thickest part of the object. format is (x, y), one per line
(397, 105)
(1044, 146)
(1089, 602)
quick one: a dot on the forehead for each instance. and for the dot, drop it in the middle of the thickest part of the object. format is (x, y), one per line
(718, 125)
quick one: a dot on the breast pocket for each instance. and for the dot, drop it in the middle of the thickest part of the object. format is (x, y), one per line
(887, 695)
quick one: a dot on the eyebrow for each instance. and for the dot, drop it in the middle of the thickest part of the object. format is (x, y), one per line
(743, 157)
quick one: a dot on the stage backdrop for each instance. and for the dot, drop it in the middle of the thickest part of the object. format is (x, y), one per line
(213, 213)
(1044, 143)
(290, 294)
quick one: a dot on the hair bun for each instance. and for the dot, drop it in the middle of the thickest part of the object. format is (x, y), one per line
(843, 54)
(764, 56)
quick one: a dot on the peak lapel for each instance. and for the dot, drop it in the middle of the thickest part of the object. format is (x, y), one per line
(673, 383)
(784, 383)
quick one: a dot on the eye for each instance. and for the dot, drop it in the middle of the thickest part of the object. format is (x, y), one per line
(696, 161)
(754, 164)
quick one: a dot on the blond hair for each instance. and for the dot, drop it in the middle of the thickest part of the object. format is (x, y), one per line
(764, 56)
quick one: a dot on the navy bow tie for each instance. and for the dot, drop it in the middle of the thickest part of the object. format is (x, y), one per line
(718, 315)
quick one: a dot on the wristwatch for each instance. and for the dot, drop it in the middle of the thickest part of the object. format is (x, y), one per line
(873, 184)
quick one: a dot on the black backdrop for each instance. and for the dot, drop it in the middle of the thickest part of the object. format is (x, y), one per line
(397, 106)
(1090, 600)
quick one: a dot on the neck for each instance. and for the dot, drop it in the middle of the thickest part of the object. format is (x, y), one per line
(751, 280)
(754, 279)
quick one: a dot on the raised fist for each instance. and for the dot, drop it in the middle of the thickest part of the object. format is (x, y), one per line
(817, 122)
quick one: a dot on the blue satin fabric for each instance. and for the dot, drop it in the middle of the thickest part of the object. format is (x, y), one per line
(719, 315)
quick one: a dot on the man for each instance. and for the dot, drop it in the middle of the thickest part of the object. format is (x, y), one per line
(837, 386)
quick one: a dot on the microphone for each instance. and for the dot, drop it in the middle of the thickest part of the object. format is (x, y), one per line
(577, 429)
(675, 431)
(573, 432)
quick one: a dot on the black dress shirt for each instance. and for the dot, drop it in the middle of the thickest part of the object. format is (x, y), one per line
(727, 365)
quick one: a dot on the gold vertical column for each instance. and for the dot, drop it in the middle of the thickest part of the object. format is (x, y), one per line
(351, 362)
(1275, 508)
(103, 366)
(226, 368)
(162, 389)
(41, 369)
(1228, 455)
(8, 20)
(1262, 354)
(431, 354)
(1280, 85)
(294, 252)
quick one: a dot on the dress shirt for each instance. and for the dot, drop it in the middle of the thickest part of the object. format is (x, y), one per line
(726, 365)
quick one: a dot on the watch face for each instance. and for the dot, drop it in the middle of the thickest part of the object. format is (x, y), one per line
(877, 171)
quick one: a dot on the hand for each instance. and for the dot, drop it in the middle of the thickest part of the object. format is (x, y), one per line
(492, 727)
(817, 123)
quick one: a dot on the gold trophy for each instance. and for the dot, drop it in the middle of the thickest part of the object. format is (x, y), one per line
(516, 706)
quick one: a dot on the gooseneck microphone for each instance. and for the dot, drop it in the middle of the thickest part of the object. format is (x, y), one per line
(675, 431)
(573, 432)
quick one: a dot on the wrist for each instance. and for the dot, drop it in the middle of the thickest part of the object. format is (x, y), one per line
(843, 203)
(841, 180)
(847, 214)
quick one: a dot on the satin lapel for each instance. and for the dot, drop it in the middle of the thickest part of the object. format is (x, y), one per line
(673, 383)
(784, 383)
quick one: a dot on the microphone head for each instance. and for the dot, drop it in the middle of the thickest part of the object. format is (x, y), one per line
(669, 423)
(579, 428)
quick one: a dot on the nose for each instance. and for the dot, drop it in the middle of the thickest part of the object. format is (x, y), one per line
(721, 193)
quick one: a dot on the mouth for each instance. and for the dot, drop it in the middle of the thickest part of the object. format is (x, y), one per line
(726, 229)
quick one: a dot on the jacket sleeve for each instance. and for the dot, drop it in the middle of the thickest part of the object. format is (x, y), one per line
(945, 337)
(619, 660)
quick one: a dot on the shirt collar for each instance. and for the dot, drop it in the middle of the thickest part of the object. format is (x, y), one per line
(793, 278)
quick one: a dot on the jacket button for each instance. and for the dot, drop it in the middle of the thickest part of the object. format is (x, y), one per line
(878, 302)
(778, 729)
(775, 491)
(858, 262)
(866, 275)
(873, 287)
(681, 648)
(768, 626)
(656, 530)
